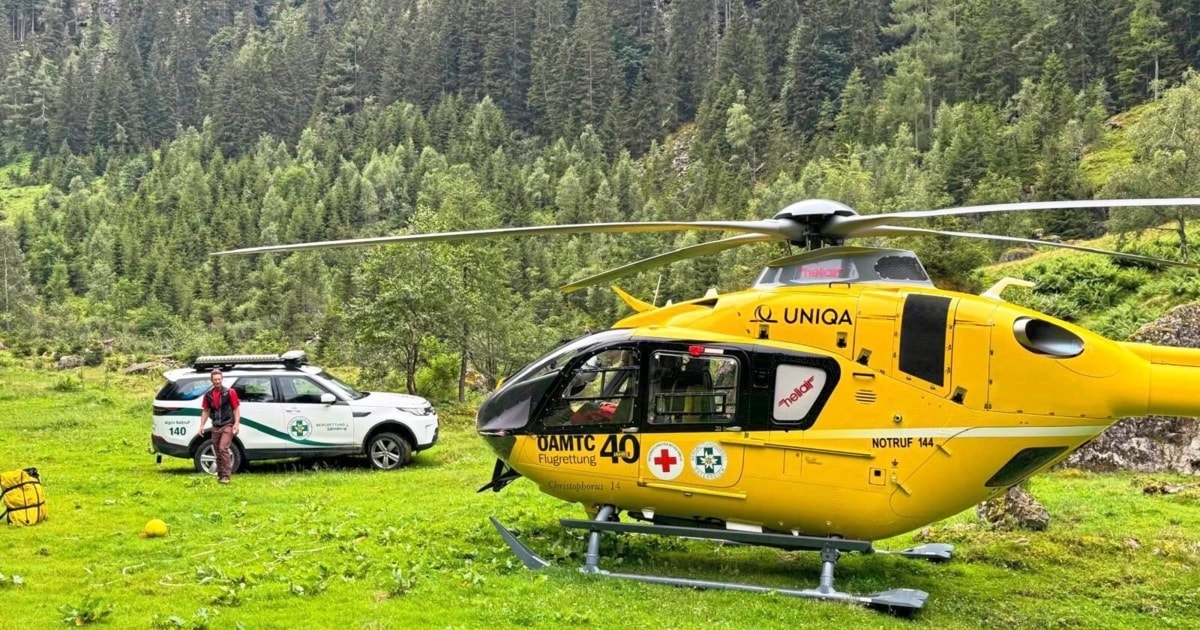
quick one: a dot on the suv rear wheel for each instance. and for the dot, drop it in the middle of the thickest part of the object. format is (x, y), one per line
(388, 451)
(205, 457)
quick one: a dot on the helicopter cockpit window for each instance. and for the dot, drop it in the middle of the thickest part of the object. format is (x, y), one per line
(603, 391)
(797, 388)
(693, 389)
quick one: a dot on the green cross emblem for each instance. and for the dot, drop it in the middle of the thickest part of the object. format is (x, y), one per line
(709, 461)
(300, 428)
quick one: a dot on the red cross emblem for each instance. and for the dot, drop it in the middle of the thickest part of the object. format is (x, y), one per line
(665, 460)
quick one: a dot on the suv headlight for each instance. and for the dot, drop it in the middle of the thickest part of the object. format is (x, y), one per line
(427, 410)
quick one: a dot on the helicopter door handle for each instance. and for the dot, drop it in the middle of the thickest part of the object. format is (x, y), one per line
(866, 375)
(629, 430)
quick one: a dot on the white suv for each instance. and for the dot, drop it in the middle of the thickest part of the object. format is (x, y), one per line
(289, 409)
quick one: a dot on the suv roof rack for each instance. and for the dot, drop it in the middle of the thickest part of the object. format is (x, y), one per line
(291, 360)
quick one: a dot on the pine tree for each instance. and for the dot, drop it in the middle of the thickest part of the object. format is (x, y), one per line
(16, 294)
(818, 65)
(1141, 52)
(692, 46)
(931, 47)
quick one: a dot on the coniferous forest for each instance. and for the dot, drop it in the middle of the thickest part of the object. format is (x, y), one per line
(157, 131)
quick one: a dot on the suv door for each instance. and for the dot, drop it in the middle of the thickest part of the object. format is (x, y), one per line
(262, 416)
(310, 422)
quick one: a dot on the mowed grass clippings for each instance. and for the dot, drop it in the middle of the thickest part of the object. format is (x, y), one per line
(335, 544)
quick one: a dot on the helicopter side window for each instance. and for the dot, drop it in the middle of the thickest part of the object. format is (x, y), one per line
(797, 388)
(693, 389)
(603, 391)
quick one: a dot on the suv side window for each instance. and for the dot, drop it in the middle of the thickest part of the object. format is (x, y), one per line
(254, 389)
(297, 389)
(184, 389)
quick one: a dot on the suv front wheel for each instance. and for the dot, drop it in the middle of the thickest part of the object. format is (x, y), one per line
(388, 451)
(205, 457)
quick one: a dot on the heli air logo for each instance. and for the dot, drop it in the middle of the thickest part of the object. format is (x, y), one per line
(300, 428)
(798, 393)
(708, 460)
(665, 461)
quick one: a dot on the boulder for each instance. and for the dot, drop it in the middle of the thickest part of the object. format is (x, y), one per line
(68, 362)
(1153, 443)
(141, 368)
(1015, 509)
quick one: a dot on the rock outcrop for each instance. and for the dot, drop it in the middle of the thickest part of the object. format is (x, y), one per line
(68, 362)
(1015, 509)
(1153, 443)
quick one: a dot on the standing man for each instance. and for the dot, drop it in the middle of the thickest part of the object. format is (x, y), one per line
(222, 404)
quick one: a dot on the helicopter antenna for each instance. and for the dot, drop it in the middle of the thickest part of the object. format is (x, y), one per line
(654, 302)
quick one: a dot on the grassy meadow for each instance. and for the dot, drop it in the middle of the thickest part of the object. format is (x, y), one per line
(338, 545)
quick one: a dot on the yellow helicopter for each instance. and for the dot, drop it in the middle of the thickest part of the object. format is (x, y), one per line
(841, 400)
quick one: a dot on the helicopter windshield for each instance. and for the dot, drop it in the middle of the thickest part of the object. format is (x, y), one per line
(554, 361)
(509, 407)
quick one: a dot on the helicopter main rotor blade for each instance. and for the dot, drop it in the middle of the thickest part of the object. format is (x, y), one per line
(848, 226)
(888, 230)
(775, 228)
(683, 253)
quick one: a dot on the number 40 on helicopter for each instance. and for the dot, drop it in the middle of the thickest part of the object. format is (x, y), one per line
(841, 400)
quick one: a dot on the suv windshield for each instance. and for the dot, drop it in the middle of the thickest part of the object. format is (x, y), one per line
(345, 387)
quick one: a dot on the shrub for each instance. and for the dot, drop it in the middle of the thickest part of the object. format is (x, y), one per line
(93, 355)
(438, 380)
(90, 610)
(67, 383)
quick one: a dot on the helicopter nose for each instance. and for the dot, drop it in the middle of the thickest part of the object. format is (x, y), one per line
(505, 411)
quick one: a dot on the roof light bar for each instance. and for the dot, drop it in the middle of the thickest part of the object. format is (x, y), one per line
(290, 358)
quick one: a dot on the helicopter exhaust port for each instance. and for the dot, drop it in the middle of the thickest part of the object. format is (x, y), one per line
(1042, 337)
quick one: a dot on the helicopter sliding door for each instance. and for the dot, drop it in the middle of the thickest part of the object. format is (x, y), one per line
(693, 398)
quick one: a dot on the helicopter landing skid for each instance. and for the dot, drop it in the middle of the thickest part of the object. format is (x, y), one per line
(900, 601)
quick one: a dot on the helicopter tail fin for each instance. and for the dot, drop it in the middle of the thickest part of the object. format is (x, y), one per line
(998, 288)
(634, 303)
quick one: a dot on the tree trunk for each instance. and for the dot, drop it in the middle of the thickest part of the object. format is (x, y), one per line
(1154, 85)
(410, 373)
(1183, 242)
(462, 369)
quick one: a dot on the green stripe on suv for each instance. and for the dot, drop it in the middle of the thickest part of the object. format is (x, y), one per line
(260, 427)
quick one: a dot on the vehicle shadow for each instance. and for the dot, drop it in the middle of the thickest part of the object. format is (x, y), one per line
(307, 465)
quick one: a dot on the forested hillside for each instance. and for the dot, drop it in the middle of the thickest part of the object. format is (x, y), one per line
(167, 130)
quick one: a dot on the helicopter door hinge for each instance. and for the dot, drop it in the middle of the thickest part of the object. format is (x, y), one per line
(942, 447)
(896, 480)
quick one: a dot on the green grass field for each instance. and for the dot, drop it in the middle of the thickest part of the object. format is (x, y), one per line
(291, 546)
(16, 199)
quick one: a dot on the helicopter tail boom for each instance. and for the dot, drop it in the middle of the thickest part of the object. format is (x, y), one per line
(1174, 377)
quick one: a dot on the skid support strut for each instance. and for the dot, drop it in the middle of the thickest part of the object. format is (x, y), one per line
(901, 601)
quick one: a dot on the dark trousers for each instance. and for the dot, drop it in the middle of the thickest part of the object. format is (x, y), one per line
(222, 438)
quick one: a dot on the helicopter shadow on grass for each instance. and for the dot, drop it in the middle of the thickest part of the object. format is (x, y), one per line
(730, 562)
